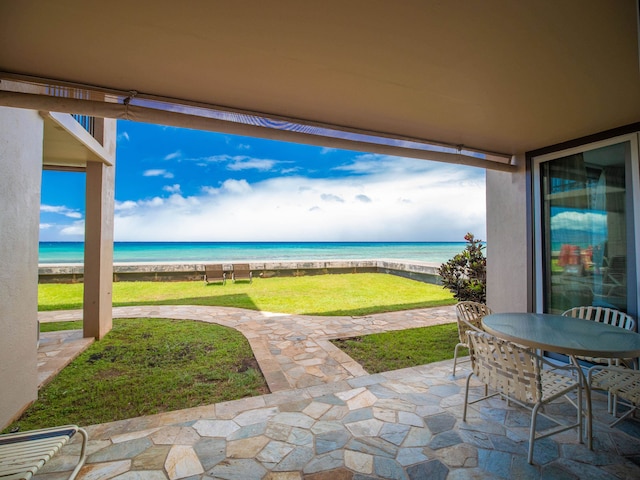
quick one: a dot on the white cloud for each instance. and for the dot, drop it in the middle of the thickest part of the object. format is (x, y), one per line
(157, 172)
(74, 230)
(573, 220)
(61, 210)
(123, 136)
(329, 197)
(241, 162)
(392, 202)
(229, 186)
(174, 155)
(238, 187)
(262, 165)
(372, 164)
(45, 226)
(123, 206)
(154, 202)
(175, 188)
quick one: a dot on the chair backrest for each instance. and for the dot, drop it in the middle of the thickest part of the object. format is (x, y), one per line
(505, 367)
(241, 269)
(470, 315)
(606, 315)
(214, 270)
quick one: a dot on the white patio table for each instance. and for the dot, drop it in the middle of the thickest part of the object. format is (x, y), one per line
(566, 335)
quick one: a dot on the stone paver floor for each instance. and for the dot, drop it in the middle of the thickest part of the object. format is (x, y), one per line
(404, 424)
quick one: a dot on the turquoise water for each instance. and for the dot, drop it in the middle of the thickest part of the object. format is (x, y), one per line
(141, 252)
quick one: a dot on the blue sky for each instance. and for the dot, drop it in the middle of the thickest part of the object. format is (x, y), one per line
(185, 185)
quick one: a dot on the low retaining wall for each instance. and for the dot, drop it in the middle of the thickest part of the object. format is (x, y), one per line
(164, 272)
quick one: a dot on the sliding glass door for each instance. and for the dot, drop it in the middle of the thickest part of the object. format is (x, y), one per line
(586, 234)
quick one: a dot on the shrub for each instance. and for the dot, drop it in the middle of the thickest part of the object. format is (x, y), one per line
(465, 274)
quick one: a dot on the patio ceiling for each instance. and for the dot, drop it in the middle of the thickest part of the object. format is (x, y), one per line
(493, 75)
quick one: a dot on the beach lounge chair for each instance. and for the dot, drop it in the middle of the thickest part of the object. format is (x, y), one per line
(214, 273)
(23, 454)
(241, 271)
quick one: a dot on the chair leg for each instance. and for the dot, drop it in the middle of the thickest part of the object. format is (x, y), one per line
(580, 415)
(632, 409)
(466, 398)
(532, 432)
(455, 356)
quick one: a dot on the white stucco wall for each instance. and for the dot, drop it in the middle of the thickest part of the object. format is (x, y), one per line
(21, 137)
(508, 276)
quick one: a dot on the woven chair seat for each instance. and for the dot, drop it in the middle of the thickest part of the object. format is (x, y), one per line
(555, 384)
(607, 379)
(619, 382)
(629, 387)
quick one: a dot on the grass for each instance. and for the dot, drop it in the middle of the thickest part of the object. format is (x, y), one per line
(146, 366)
(382, 352)
(345, 294)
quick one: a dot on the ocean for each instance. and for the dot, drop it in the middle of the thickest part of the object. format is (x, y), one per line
(205, 252)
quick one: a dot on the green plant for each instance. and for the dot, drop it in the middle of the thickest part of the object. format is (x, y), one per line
(465, 274)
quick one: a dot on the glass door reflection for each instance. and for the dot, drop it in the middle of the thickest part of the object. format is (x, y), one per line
(584, 229)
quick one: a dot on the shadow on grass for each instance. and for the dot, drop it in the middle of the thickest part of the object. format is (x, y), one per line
(236, 300)
(242, 300)
(363, 311)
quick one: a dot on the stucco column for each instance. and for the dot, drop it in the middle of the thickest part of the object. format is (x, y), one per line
(509, 271)
(98, 249)
(21, 140)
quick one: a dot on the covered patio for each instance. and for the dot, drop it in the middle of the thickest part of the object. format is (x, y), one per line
(496, 84)
(404, 424)
(347, 424)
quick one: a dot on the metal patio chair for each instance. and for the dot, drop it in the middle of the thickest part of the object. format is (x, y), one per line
(619, 382)
(516, 373)
(469, 316)
(609, 316)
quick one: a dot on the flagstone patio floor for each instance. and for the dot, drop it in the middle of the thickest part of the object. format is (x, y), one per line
(339, 422)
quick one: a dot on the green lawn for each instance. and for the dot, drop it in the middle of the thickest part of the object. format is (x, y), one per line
(145, 366)
(400, 349)
(346, 294)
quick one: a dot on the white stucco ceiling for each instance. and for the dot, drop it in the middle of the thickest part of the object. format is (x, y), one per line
(499, 75)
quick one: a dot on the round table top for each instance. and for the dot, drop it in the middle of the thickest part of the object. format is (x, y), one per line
(567, 335)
